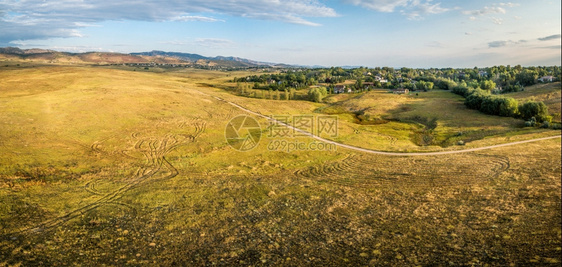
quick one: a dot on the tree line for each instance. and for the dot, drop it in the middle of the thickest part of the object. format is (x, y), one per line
(482, 100)
(497, 79)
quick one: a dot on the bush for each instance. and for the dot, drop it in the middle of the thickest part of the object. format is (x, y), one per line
(462, 89)
(512, 88)
(556, 126)
(446, 84)
(317, 94)
(487, 85)
(534, 109)
(545, 124)
(474, 100)
(531, 122)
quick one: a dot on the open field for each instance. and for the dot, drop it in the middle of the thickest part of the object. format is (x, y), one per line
(118, 167)
(424, 121)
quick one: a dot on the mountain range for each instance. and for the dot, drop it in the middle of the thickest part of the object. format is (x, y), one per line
(158, 57)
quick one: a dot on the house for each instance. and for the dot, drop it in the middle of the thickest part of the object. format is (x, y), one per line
(368, 85)
(546, 79)
(338, 89)
(380, 79)
(482, 73)
(400, 91)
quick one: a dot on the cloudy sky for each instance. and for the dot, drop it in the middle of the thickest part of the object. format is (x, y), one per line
(400, 33)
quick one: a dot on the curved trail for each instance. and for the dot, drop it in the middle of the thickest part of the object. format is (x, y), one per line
(370, 151)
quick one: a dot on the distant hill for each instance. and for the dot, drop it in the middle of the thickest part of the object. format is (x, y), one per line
(158, 57)
(17, 51)
(195, 57)
(181, 56)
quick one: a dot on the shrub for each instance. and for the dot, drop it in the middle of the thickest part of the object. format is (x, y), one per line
(531, 122)
(316, 94)
(474, 100)
(534, 109)
(556, 126)
(446, 84)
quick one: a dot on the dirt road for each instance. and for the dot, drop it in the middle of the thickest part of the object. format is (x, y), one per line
(370, 151)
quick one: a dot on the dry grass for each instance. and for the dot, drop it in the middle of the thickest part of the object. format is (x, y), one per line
(121, 168)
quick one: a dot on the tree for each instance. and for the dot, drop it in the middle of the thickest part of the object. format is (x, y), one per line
(422, 85)
(359, 84)
(534, 109)
(317, 93)
(487, 85)
(527, 77)
(446, 84)
(490, 105)
(474, 100)
(509, 107)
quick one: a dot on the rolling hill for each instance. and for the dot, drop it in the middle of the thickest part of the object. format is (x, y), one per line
(158, 57)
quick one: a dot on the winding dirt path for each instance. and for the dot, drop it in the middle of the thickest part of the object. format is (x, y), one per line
(370, 151)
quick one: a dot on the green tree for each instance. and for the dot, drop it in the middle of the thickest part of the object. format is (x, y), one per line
(316, 94)
(509, 107)
(487, 85)
(474, 100)
(527, 77)
(536, 109)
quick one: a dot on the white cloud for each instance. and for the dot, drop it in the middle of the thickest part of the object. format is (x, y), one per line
(203, 42)
(412, 9)
(484, 11)
(497, 21)
(418, 10)
(196, 18)
(509, 4)
(380, 5)
(214, 43)
(492, 12)
(40, 19)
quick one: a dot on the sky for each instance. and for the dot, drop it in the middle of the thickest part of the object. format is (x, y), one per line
(371, 33)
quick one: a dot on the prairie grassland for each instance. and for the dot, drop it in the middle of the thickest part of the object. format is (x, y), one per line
(111, 167)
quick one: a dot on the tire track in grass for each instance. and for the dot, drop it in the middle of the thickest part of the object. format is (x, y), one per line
(154, 151)
(368, 171)
(326, 169)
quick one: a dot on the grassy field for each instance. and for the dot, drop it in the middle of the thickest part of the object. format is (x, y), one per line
(424, 121)
(102, 166)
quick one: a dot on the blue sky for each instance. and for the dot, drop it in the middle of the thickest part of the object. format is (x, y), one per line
(401, 33)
